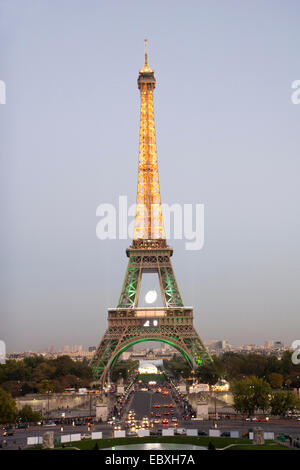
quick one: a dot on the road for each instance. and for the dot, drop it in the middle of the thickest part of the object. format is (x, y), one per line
(153, 405)
(19, 439)
(142, 403)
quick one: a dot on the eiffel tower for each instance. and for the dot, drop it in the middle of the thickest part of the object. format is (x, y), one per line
(129, 324)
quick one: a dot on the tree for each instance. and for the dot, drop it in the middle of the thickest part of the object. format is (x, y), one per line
(64, 365)
(286, 363)
(178, 367)
(293, 379)
(27, 415)
(208, 373)
(45, 386)
(275, 380)
(8, 408)
(251, 394)
(32, 362)
(282, 402)
(238, 366)
(13, 370)
(13, 387)
(43, 371)
(29, 387)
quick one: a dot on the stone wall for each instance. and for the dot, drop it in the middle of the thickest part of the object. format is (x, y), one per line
(222, 400)
(54, 401)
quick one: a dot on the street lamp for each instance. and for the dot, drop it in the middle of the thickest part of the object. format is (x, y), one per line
(90, 404)
(48, 393)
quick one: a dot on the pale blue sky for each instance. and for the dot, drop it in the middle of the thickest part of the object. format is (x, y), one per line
(227, 136)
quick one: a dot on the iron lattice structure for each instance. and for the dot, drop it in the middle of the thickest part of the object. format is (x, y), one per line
(148, 219)
(127, 323)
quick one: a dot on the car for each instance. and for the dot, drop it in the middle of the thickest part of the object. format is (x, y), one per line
(131, 434)
(156, 421)
(165, 421)
(8, 432)
(225, 434)
(23, 426)
(86, 436)
(174, 419)
(158, 415)
(202, 433)
(78, 423)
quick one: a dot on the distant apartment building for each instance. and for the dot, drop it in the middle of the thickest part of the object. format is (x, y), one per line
(218, 347)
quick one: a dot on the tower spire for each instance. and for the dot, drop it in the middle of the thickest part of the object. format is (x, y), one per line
(146, 54)
(148, 220)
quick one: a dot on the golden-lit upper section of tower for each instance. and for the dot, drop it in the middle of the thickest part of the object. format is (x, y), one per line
(148, 220)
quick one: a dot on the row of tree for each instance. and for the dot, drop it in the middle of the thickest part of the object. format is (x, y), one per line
(253, 394)
(232, 366)
(40, 375)
(10, 414)
(122, 370)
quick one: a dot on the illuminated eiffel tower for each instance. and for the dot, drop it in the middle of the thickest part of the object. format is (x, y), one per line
(128, 324)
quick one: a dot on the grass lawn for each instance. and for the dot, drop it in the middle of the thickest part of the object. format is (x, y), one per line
(151, 378)
(218, 442)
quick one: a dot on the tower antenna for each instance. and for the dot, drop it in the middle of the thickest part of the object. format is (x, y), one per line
(146, 54)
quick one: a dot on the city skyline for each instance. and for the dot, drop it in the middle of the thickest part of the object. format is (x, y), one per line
(73, 348)
(226, 131)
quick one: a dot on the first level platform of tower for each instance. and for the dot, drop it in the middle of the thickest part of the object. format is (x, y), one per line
(128, 326)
